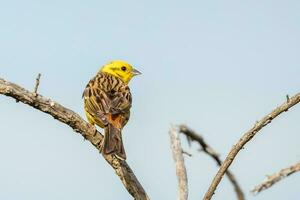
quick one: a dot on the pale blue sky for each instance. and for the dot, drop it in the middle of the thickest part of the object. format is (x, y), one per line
(217, 66)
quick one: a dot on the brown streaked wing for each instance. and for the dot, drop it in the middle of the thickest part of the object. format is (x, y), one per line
(96, 101)
(107, 94)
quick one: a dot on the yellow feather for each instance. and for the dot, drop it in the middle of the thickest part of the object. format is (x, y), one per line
(120, 69)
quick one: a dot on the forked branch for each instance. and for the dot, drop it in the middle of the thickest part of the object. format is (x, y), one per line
(246, 138)
(79, 125)
(193, 136)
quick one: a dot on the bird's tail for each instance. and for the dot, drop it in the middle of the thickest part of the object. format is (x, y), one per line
(113, 143)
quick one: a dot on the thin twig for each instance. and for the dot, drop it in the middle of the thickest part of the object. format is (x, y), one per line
(186, 153)
(274, 178)
(37, 83)
(246, 138)
(179, 162)
(79, 125)
(193, 136)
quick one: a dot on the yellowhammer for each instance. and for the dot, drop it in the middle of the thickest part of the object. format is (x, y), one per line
(107, 102)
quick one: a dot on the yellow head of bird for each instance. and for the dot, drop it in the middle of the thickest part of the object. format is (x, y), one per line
(120, 69)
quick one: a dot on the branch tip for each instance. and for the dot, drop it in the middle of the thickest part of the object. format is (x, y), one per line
(179, 163)
(37, 83)
(275, 178)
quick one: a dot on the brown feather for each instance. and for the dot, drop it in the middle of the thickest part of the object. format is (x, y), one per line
(107, 101)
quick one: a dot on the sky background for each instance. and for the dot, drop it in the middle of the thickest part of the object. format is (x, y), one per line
(217, 66)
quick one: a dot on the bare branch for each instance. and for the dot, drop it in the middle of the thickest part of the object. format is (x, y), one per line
(275, 178)
(73, 120)
(179, 162)
(37, 83)
(246, 138)
(193, 136)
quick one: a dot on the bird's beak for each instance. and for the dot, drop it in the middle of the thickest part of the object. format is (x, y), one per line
(135, 72)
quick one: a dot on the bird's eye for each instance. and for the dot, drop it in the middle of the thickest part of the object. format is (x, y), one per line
(123, 68)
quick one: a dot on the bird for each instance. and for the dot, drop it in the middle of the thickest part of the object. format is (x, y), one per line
(107, 103)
